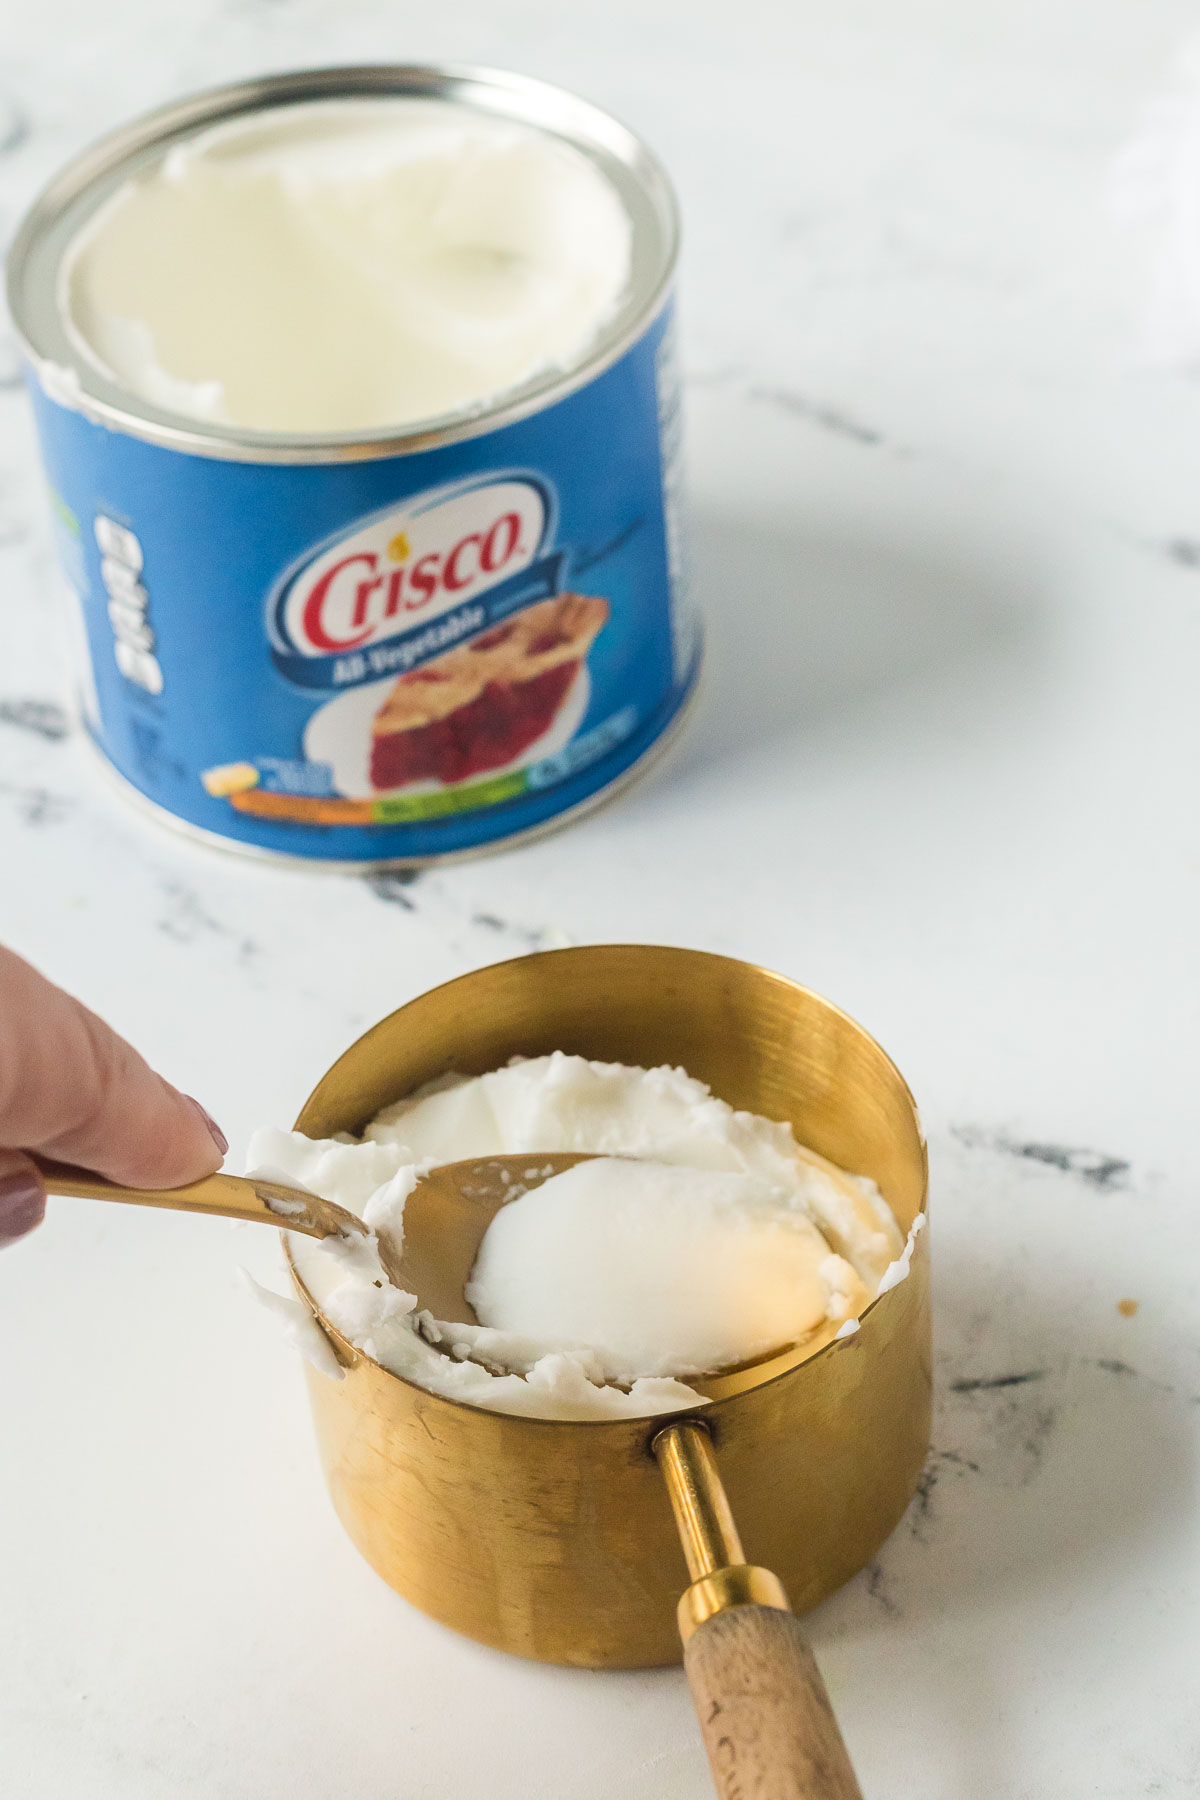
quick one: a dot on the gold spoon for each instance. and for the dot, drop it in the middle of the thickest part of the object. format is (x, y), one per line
(229, 1197)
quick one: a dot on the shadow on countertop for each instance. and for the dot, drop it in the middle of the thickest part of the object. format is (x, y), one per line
(806, 628)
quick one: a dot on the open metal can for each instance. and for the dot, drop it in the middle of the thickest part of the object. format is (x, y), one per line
(251, 603)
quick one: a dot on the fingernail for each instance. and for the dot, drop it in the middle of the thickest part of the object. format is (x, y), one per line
(210, 1124)
(22, 1205)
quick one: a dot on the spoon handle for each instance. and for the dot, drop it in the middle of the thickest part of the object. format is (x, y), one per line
(225, 1196)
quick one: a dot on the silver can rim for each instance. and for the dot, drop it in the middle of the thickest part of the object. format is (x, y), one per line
(51, 225)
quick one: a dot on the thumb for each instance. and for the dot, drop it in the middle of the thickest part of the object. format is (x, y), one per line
(72, 1089)
(22, 1196)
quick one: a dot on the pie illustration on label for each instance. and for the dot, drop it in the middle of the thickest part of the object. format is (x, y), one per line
(479, 706)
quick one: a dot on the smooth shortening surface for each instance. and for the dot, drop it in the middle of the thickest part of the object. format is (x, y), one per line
(346, 265)
(665, 1271)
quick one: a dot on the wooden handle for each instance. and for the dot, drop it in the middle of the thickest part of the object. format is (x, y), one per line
(764, 1714)
(767, 1723)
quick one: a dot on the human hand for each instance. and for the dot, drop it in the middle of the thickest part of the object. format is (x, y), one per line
(72, 1089)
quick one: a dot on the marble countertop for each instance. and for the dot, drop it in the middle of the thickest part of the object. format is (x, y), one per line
(947, 537)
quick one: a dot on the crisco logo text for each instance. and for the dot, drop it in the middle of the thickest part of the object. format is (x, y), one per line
(411, 566)
(375, 594)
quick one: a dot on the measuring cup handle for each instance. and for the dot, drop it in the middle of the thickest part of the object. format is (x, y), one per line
(764, 1714)
(768, 1726)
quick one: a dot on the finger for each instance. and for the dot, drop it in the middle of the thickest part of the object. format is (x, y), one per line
(22, 1196)
(71, 1088)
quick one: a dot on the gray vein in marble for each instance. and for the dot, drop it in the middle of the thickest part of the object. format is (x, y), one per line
(39, 805)
(524, 934)
(923, 1517)
(1037, 1437)
(1019, 1371)
(1001, 1430)
(1008, 1430)
(960, 1462)
(1097, 1167)
(877, 1588)
(1113, 1365)
(922, 1500)
(441, 906)
(185, 919)
(974, 1384)
(824, 414)
(43, 718)
(817, 412)
(392, 886)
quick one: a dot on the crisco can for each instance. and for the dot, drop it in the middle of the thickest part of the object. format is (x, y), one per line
(394, 646)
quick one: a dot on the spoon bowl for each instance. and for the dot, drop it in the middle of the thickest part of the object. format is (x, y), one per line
(447, 1215)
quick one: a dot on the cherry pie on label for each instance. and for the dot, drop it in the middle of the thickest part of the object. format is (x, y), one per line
(481, 705)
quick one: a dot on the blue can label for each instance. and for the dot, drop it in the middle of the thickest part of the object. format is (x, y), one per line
(404, 656)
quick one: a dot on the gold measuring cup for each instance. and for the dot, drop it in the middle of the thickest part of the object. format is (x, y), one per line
(556, 1539)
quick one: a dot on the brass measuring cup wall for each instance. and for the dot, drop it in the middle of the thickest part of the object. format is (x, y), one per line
(555, 1539)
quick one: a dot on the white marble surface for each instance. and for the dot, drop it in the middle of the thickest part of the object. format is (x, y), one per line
(943, 770)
